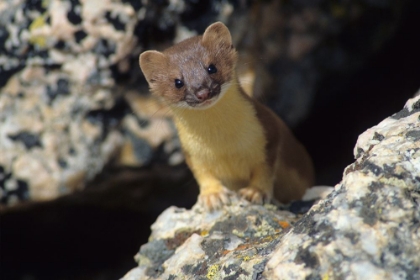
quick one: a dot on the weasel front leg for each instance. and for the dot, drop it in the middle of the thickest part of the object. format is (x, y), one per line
(213, 195)
(260, 188)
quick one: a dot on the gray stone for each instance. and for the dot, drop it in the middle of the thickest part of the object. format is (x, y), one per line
(369, 227)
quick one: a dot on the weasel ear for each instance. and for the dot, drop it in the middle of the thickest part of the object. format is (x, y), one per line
(217, 33)
(152, 63)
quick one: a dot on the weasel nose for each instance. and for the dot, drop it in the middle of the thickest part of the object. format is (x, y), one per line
(203, 94)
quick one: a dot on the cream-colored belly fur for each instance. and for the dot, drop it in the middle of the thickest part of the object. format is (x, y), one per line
(224, 144)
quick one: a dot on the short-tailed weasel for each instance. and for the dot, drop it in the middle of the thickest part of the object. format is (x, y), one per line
(229, 139)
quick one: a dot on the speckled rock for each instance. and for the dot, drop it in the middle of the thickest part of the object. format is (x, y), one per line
(60, 112)
(230, 244)
(52, 137)
(367, 228)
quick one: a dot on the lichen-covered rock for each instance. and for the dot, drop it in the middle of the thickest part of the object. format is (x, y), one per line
(367, 228)
(230, 244)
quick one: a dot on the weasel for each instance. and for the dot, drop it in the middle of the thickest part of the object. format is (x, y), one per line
(229, 139)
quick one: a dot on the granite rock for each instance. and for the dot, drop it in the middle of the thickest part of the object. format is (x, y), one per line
(230, 244)
(368, 227)
(51, 140)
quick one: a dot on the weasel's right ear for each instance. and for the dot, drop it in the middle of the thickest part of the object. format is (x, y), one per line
(152, 63)
(218, 34)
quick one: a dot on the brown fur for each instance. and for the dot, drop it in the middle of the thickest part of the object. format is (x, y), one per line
(235, 142)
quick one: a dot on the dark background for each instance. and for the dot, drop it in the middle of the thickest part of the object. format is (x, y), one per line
(95, 234)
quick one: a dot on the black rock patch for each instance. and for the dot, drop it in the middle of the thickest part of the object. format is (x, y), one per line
(62, 88)
(376, 170)
(231, 223)
(416, 106)
(6, 74)
(413, 135)
(143, 123)
(110, 118)
(313, 276)
(74, 17)
(213, 247)
(359, 152)
(155, 271)
(258, 270)
(136, 4)
(301, 207)
(115, 21)
(62, 163)
(79, 35)
(353, 237)
(34, 5)
(378, 136)
(30, 140)
(405, 112)
(401, 114)
(21, 192)
(196, 270)
(186, 269)
(143, 152)
(375, 186)
(238, 271)
(230, 268)
(366, 208)
(4, 35)
(104, 47)
(158, 253)
(309, 259)
(60, 45)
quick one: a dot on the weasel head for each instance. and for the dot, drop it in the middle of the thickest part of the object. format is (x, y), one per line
(194, 73)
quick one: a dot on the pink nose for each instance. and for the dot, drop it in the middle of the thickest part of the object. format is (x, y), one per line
(203, 94)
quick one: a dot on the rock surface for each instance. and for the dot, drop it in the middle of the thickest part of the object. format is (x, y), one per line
(227, 244)
(367, 228)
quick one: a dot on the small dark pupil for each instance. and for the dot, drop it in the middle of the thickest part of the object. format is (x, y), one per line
(178, 83)
(212, 69)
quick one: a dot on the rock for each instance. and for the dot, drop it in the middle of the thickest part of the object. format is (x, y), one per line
(50, 138)
(367, 228)
(234, 242)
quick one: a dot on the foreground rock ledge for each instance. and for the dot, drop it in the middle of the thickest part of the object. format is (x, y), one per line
(367, 228)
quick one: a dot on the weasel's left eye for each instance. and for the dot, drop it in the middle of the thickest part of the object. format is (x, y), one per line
(212, 69)
(179, 83)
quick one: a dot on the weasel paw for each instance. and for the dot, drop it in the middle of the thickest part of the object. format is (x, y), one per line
(254, 195)
(214, 201)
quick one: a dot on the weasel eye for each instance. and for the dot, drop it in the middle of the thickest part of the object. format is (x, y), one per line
(212, 69)
(179, 83)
